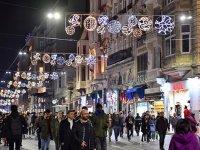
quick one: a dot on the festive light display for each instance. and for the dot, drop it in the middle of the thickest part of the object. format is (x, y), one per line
(164, 25)
(78, 59)
(127, 30)
(46, 58)
(137, 33)
(60, 60)
(71, 57)
(132, 21)
(23, 75)
(114, 26)
(70, 30)
(90, 60)
(101, 29)
(68, 62)
(103, 20)
(54, 76)
(74, 20)
(145, 23)
(90, 23)
(37, 56)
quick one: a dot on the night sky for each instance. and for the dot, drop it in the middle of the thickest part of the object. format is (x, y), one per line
(18, 18)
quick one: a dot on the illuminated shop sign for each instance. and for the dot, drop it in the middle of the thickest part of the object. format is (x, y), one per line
(178, 86)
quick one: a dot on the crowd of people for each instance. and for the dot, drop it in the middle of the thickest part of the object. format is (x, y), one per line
(88, 131)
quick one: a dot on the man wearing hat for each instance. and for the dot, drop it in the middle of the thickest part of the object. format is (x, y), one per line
(100, 123)
(65, 131)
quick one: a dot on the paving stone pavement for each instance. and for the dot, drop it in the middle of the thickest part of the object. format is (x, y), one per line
(123, 143)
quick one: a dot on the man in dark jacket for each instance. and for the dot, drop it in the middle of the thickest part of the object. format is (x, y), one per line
(83, 133)
(129, 125)
(161, 126)
(138, 123)
(57, 123)
(14, 125)
(65, 131)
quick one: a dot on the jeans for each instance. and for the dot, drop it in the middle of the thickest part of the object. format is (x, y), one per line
(122, 131)
(45, 143)
(116, 131)
(101, 143)
(162, 139)
(129, 133)
(153, 135)
(110, 133)
(17, 144)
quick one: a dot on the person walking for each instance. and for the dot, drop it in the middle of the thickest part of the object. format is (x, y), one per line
(129, 125)
(145, 128)
(152, 124)
(37, 128)
(122, 117)
(46, 126)
(184, 138)
(138, 123)
(116, 121)
(1, 126)
(110, 127)
(161, 127)
(65, 131)
(100, 123)
(83, 133)
(56, 130)
(14, 125)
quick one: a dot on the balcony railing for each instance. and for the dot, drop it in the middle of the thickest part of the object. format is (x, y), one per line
(141, 76)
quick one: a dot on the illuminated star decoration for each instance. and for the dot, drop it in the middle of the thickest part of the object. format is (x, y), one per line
(74, 20)
(78, 59)
(37, 56)
(164, 25)
(90, 60)
(132, 21)
(60, 60)
(114, 26)
(53, 57)
(68, 62)
(103, 20)
(54, 76)
(34, 76)
(145, 23)
(28, 76)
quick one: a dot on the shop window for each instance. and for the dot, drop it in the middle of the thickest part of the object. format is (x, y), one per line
(170, 45)
(83, 73)
(186, 41)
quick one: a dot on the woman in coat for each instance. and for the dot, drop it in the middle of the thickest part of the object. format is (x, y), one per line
(184, 138)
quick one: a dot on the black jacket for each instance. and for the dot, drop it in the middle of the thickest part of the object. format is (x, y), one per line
(83, 132)
(65, 134)
(7, 128)
(129, 121)
(162, 125)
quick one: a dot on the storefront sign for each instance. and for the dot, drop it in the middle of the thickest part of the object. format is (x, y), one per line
(178, 86)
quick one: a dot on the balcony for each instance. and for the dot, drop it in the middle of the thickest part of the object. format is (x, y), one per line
(81, 84)
(153, 74)
(141, 76)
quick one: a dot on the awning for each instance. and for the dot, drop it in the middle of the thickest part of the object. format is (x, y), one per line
(136, 90)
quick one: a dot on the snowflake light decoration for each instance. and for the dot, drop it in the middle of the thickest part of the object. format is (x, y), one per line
(68, 62)
(74, 20)
(90, 23)
(46, 58)
(17, 74)
(60, 60)
(46, 75)
(90, 60)
(71, 57)
(164, 25)
(23, 75)
(37, 56)
(103, 20)
(101, 30)
(53, 57)
(23, 91)
(114, 26)
(70, 30)
(127, 30)
(145, 23)
(54, 76)
(137, 33)
(15, 84)
(28, 76)
(23, 85)
(132, 21)
(53, 62)
(40, 84)
(34, 76)
(78, 59)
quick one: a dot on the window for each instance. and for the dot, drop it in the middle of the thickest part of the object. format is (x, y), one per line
(185, 35)
(84, 49)
(99, 64)
(130, 41)
(83, 73)
(88, 75)
(157, 57)
(60, 82)
(142, 62)
(115, 10)
(41, 44)
(170, 45)
(141, 40)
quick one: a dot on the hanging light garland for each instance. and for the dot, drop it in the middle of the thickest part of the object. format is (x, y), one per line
(145, 23)
(90, 23)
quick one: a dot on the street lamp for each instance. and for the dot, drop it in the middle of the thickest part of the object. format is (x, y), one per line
(22, 53)
(54, 15)
(185, 17)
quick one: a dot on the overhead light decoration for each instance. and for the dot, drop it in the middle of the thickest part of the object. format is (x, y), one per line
(53, 62)
(132, 21)
(103, 20)
(54, 56)
(34, 76)
(37, 56)
(127, 30)
(28, 76)
(164, 25)
(60, 60)
(75, 20)
(54, 101)
(114, 26)
(90, 23)
(54, 76)
(90, 60)
(137, 33)
(145, 23)
(71, 57)
(23, 75)
(101, 29)
(68, 63)
(70, 30)
(46, 58)
(78, 59)
(34, 62)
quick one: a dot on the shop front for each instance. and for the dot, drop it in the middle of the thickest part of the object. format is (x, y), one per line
(181, 94)
(112, 101)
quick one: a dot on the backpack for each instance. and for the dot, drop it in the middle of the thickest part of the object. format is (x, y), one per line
(16, 127)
